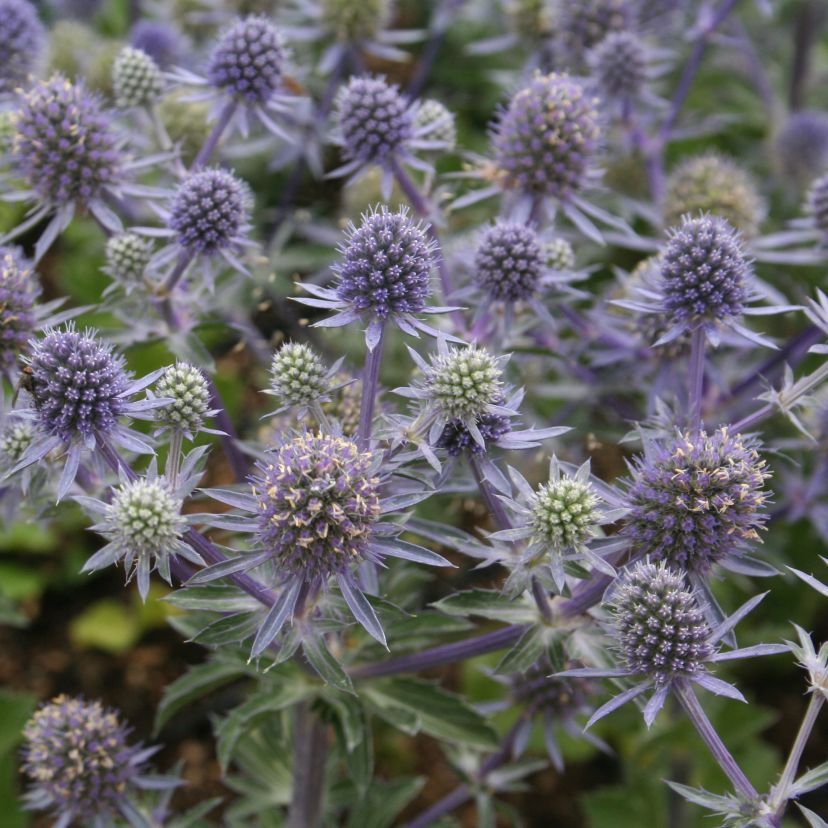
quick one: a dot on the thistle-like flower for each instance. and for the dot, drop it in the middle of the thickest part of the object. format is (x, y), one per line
(711, 183)
(136, 79)
(663, 639)
(160, 40)
(21, 41)
(585, 24)
(80, 765)
(188, 400)
(15, 438)
(802, 145)
(620, 66)
(509, 261)
(19, 291)
(299, 378)
(384, 274)
(317, 516)
(434, 118)
(698, 500)
(127, 257)
(559, 255)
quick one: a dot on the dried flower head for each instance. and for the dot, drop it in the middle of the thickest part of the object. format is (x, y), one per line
(711, 183)
(697, 500)
(186, 388)
(545, 139)
(586, 23)
(127, 257)
(509, 261)
(249, 60)
(21, 40)
(19, 291)
(136, 78)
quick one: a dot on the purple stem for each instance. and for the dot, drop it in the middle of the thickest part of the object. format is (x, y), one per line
(310, 747)
(370, 387)
(695, 390)
(752, 419)
(209, 146)
(239, 462)
(184, 259)
(705, 729)
(493, 502)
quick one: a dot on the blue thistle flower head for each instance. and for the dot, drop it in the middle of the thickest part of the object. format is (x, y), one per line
(189, 398)
(659, 623)
(79, 762)
(136, 78)
(19, 291)
(509, 261)
(156, 38)
(464, 383)
(208, 211)
(298, 375)
(22, 36)
(457, 439)
(77, 383)
(586, 23)
(619, 65)
(318, 502)
(64, 144)
(697, 500)
(248, 60)
(374, 119)
(386, 264)
(802, 144)
(545, 139)
(704, 272)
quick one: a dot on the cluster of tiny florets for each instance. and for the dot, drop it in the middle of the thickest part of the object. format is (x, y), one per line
(19, 290)
(563, 513)
(145, 515)
(136, 78)
(696, 499)
(437, 122)
(158, 39)
(464, 382)
(64, 145)
(21, 39)
(386, 264)
(544, 141)
(208, 210)
(704, 272)
(317, 504)
(584, 24)
(374, 119)
(297, 374)
(540, 692)
(76, 382)
(127, 257)
(456, 438)
(660, 624)
(186, 388)
(711, 183)
(353, 22)
(78, 761)
(249, 60)
(15, 437)
(619, 65)
(802, 144)
(818, 203)
(509, 261)
(559, 254)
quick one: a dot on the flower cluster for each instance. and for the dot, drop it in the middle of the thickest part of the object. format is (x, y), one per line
(19, 290)
(509, 261)
(21, 40)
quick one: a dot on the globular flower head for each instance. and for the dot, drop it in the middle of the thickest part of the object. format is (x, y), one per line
(79, 763)
(77, 384)
(545, 139)
(249, 60)
(464, 382)
(297, 375)
(208, 211)
(21, 40)
(19, 290)
(660, 623)
(64, 145)
(15, 437)
(586, 23)
(317, 504)
(560, 698)
(704, 272)
(563, 513)
(697, 499)
(619, 65)
(374, 119)
(386, 264)
(818, 204)
(509, 261)
(187, 123)
(711, 183)
(355, 22)
(127, 257)
(802, 144)
(435, 119)
(157, 39)
(559, 254)
(186, 388)
(136, 78)
(456, 437)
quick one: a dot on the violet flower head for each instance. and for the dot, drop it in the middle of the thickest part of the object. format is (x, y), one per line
(208, 211)
(457, 439)
(620, 66)
(248, 60)
(80, 765)
(698, 500)
(19, 291)
(545, 139)
(509, 261)
(586, 23)
(22, 37)
(158, 39)
(802, 144)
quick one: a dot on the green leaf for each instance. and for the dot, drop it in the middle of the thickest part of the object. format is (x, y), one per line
(192, 817)
(485, 603)
(108, 625)
(213, 597)
(354, 732)
(383, 802)
(439, 713)
(197, 682)
(326, 665)
(15, 710)
(524, 654)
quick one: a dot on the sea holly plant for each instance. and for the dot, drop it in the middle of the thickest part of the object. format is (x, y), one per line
(408, 465)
